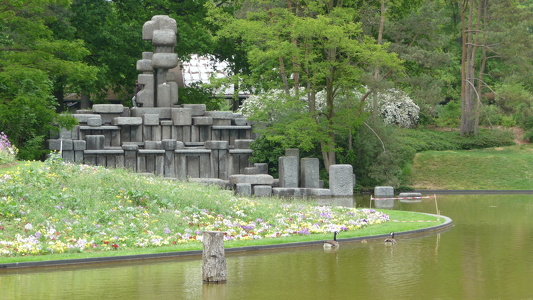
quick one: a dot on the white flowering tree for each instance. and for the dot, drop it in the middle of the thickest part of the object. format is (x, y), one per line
(394, 107)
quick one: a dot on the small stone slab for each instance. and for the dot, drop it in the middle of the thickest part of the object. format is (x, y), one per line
(243, 144)
(232, 127)
(83, 118)
(262, 179)
(202, 121)
(288, 192)
(383, 191)
(262, 190)
(243, 189)
(127, 121)
(196, 109)
(151, 119)
(108, 108)
(219, 114)
(220, 145)
(104, 152)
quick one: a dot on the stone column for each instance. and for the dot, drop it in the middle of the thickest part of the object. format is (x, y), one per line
(288, 171)
(310, 173)
(169, 165)
(341, 180)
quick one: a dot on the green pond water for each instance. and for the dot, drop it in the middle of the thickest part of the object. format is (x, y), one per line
(488, 254)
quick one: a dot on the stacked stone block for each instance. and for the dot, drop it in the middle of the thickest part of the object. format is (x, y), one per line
(173, 142)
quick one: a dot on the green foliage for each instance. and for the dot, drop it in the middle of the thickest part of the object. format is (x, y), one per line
(198, 94)
(33, 64)
(375, 166)
(267, 151)
(449, 115)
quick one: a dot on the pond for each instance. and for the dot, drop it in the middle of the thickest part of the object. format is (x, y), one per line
(488, 254)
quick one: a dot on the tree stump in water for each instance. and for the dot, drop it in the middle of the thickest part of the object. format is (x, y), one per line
(214, 259)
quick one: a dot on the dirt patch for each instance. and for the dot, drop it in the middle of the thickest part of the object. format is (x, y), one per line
(3, 166)
(519, 135)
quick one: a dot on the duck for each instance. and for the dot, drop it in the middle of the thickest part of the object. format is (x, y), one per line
(332, 243)
(390, 240)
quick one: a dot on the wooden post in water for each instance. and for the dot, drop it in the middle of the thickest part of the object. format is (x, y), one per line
(214, 259)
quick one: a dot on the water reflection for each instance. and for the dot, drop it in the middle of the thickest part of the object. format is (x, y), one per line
(486, 255)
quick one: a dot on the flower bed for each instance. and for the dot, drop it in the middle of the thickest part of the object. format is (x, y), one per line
(58, 208)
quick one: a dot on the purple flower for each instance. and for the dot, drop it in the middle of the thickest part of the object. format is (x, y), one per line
(168, 231)
(304, 231)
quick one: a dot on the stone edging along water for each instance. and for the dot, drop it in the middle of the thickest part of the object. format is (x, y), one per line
(133, 258)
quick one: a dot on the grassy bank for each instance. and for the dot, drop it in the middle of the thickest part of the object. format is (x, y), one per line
(54, 210)
(499, 168)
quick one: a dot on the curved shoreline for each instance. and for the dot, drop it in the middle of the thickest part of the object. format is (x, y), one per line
(476, 192)
(136, 258)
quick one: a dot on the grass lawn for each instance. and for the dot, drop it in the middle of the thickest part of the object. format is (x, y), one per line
(502, 168)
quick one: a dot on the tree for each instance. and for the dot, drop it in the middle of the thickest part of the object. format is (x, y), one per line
(491, 37)
(31, 62)
(323, 49)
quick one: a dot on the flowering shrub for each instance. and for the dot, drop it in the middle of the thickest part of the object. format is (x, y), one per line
(395, 107)
(8, 152)
(82, 208)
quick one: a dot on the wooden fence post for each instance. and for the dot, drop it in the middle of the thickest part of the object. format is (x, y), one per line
(214, 259)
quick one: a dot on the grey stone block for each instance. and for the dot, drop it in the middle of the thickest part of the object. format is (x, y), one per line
(241, 121)
(319, 192)
(169, 144)
(182, 116)
(164, 98)
(216, 144)
(144, 65)
(383, 191)
(262, 190)
(219, 114)
(341, 180)
(65, 134)
(95, 121)
(83, 118)
(310, 173)
(250, 171)
(164, 60)
(243, 189)
(164, 37)
(262, 168)
(196, 109)
(130, 146)
(151, 119)
(292, 152)
(262, 179)
(288, 172)
(108, 108)
(288, 192)
(163, 112)
(243, 144)
(152, 145)
(68, 156)
(60, 144)
(79, 145)
(95, 142)
(127, 121)
(203, 121)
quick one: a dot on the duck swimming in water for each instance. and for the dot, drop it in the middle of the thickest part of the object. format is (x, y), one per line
(390, 240)
(332, 243)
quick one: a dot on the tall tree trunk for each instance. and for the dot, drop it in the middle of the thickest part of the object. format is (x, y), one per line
(469, 51)
(380, 33)
(284, 76)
